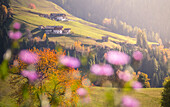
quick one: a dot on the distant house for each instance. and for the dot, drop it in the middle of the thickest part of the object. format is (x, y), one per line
(53, 29)
(49, 29)
(44, 15)
(67, 31)
(58, 17)
(58, 30)
(105, 38)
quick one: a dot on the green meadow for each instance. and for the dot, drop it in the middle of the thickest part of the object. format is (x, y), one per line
(78, 26)
(148, 97)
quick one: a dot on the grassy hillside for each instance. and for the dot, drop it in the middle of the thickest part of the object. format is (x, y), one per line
(148, 97)
(79, 27)
(150, 14)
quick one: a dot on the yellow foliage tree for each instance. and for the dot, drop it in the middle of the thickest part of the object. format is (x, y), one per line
(44, 37)
(107, 21)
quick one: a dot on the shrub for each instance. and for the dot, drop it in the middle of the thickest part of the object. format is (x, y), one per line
(165, 101)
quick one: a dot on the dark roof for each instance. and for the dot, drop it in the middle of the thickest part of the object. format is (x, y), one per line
(58, 27)
(57, 14)
(67, 29)
(49, 27)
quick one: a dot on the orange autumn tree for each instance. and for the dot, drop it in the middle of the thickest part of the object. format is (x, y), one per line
(32, 6)
(57, 82)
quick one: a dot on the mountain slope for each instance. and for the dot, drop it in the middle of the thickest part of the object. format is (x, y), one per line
(80, 27)
(153, 15)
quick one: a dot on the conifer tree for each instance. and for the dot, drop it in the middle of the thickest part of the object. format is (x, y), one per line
(155, 80)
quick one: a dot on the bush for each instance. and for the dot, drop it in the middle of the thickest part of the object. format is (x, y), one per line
(165, 101)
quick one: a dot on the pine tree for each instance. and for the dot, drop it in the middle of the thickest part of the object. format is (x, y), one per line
(155, 65)
(155, 80)
(139, 39)
(144, 38)
(47, 41)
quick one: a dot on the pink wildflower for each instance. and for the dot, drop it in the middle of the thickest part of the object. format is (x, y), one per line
(128, 101)
(96, 69)
(136, 85)
(117, 58)
(102, 69)
(16, 25)
(125, 76)
(107, 70)
(15, 35)
(28, 57)
(137, 55)
(70, 61)
(31, 75)
(81, 92)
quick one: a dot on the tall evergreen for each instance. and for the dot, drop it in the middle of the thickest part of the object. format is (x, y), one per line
(4, 24)
(155, 80)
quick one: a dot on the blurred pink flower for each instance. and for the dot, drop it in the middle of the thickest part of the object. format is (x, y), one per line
(86, 100)
(31, 75)
(96, 69)
(70, 61)
(28, 57)
(15, 35)
(106, 69)
(128, 101)
(16, 25)
(81, 92)
(125, 76)
(136, 85)
(137, 55)
(117, 58)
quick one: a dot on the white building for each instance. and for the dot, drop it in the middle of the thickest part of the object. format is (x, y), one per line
(58, 30)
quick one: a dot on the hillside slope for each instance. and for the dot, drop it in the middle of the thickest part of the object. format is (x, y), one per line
(80, 27)
(152, 15)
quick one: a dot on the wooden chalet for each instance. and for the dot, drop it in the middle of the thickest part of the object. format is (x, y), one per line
(53, 29)
(58, 17)
(44, 15)
(67, 31)
(49, 29)
(58, 30)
